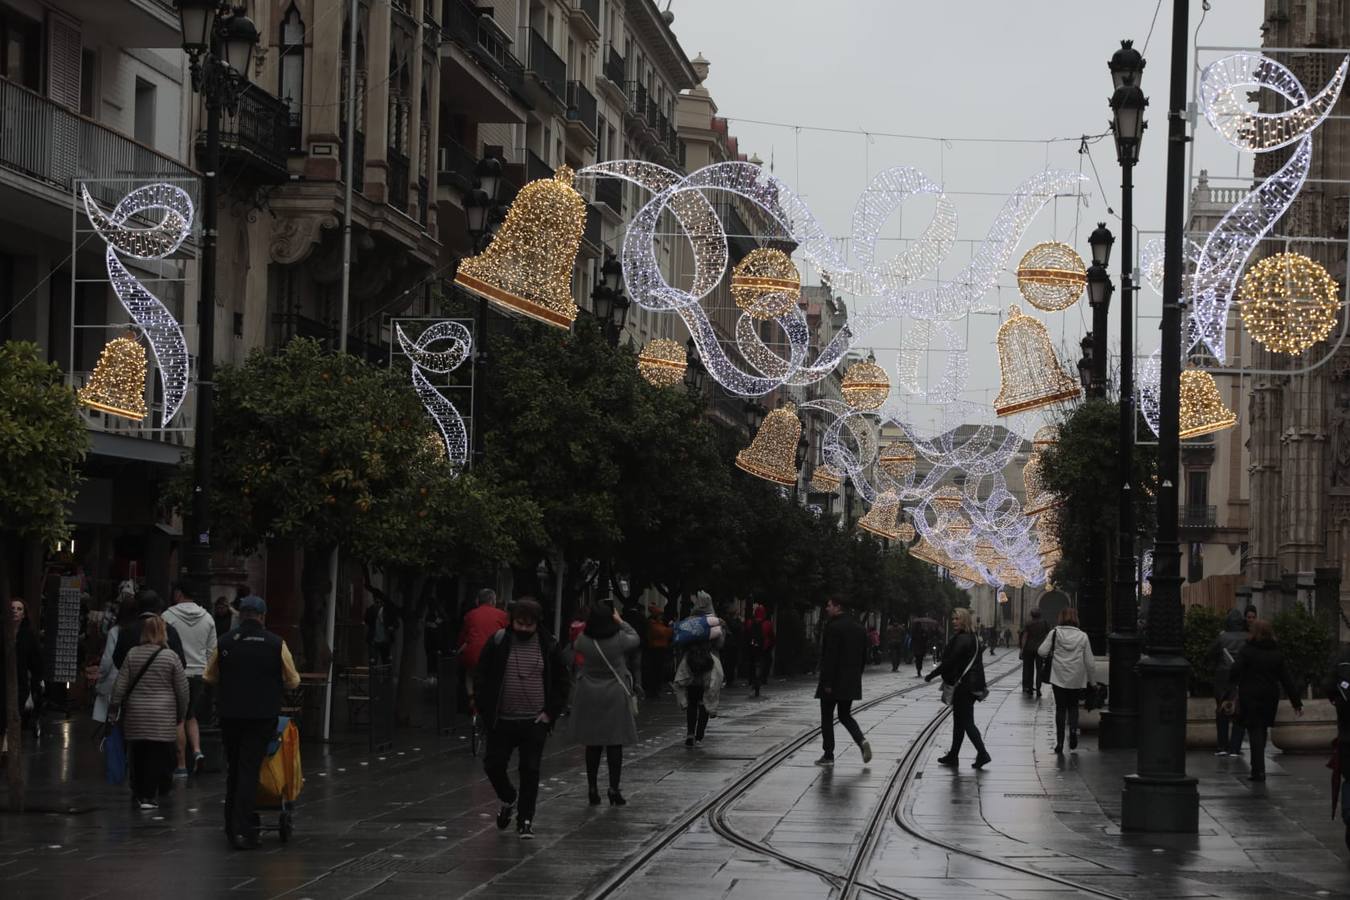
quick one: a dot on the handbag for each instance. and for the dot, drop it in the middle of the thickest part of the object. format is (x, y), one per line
(632, 697)
(1094, 696)
(1050, 657)
(1228, 706)
(115, 712)
(949, 690)
(114, 747)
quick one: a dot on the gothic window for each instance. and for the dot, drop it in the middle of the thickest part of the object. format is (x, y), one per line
(293, 72)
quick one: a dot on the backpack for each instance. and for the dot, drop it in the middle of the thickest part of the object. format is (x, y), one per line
(756, 635)
(699, 657)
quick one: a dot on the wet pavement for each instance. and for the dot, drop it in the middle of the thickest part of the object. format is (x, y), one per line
(746, 816)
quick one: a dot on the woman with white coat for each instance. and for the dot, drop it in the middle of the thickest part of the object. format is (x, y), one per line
(1070, 659)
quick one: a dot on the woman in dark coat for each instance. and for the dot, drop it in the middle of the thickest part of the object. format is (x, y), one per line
(602, 718)
(963, 651)
(1258, 674)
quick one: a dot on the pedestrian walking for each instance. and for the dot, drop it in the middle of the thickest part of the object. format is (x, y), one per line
(1069, 654)
(27, 668)
(698, 688)
(603, 708)
(919, 639)
(843, 657)
(250, 668)
(759, 644)
(152, 691)
(1337, 688)
(197, 630)
(223, 616)
(873, 645)
(733, 630)
(1258, 674)
(659, 636)
(381, 627)
(963, 684)
(480, 624)
(1223, 653)
(147, 604)
(522, 688)
(1033, 633)
(895, 644)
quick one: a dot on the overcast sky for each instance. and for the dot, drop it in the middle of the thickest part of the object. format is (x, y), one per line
(1006, 70)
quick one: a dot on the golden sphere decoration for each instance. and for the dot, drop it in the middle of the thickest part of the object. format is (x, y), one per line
(663, 362)
(117, 384)
(826, 479)
(1029, 371)
(866, 386)
(1289, 302)
(1051, 276)
(772, 455)
(897, 459)
(528, 266)
(765, 284)
(1202, 408)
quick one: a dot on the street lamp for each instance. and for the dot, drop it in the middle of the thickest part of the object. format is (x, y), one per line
(219, 44)
(482, 216)
(1126, 64)
(1099, 289)
(754, 415)
(1085, 362)
(1127, 108)
(695, 373)
(1101, 241)
(609, 303)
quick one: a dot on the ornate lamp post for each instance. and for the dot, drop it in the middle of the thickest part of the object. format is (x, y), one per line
(1119, 723)
(695, 374)
(609, 301)
(219, 43)
(482, 215)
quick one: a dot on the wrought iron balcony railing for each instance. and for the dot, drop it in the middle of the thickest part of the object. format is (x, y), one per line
(614, 69)
(547, 66)
(581, 105)
(1193, 516)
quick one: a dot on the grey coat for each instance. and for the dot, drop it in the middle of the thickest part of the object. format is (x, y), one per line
(160, 700)
(600, 711)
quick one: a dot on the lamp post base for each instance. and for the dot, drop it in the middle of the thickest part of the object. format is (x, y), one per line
(1120, 721)
(1160, 804)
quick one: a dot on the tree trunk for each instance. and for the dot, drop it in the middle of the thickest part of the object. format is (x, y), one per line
(13, 724)
(413, 613)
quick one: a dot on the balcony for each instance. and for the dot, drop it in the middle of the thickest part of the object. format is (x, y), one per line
(456, 166)
(586, 18)
(358, 160)
(535, 167)
(255, 139)
(614, 71)
(641, 112)
(1198, 516)
(581, 109)
(591, 243)
(547, 68)
(398, 180)
(486, 81)
(609, 191)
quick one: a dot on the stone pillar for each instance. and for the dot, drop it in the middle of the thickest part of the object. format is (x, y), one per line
(1288, 592)
(1264, 416)
(376, 122)
(324, 74)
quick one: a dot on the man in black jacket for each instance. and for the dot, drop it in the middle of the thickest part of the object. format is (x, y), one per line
(522, 684)
(843, 656)
(1033, 633)
(129, 635)
(28, 664)
(249, 669)
(1337, 688)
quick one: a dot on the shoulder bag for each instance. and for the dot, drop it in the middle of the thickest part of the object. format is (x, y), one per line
(1050, 657)
(949, 690)
(115, 714)
(632, 697)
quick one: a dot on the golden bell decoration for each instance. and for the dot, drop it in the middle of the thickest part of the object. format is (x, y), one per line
(117, 385)
(663, 362)
(897, 459)
(926, 552)
(904, 532)
(528, 266)
(826, 479)
(1038, 498)
(1045, 436)
(1288, 302)
(772, 455)
(1030, 374)
(1202, 409)
(880, 519)
(765, 284)
(866, 385)
(1051, 276)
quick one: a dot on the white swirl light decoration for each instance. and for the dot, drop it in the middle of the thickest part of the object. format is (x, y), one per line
(910, 363)
(442, 411)
(162, 331)
(886, 194)
(1225, 84)
(1151, 260)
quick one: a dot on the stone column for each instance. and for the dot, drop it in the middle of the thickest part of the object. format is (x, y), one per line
(376, 122)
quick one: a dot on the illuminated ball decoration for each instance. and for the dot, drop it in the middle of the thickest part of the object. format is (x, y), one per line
(1030, 373)
(1288, 302)
(826, 479)
(866, 386)
(1051, 276)
(528, 266)
(897, 459)
(117, 385)
(765, 284)
(772, 455)
(1202, 408)
(662, 362)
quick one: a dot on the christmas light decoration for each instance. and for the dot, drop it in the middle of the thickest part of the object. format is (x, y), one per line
(448, 421)
(1288, 302)
(897, 459)
(772, 455)
(1202, 409)
(866, 385)
(663, 362)
(880, 201)
(1031, 375)
(765, 284)
(1225, 86)
(880, 519)
(826, 479)
(1051, 276)
(528, 266)
(1039, 499)
(117, 384)
(162, 331)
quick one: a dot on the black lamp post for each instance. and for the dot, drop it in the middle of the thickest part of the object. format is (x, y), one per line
(1160, 796)
(481, 218)
(1085, 361)
(695, 373)
(1119, 723)
(219, 44)
(1099, 288)
(609, 303)
(754, 416)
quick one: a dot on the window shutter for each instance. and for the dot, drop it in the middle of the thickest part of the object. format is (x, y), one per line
(63, 59)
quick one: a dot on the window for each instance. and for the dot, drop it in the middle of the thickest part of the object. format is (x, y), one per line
(88, 84)
(293, 72)
(145, 112)
(1195, 563)
(20, 49)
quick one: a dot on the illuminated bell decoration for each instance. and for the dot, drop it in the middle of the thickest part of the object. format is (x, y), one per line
(1289, 302)
(1051, 276)
(880, 519)
(926, 552)
(1202, 409)
(826, 479)
(117, 385)
(1045, 436)
(765, 284)
(897, 459)
(772, 455)
(866, 386)
(662, 362)
(1030, 374)
(528, 266)
(1038, 498)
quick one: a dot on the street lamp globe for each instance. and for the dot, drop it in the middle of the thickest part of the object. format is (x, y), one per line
(239, 38)
(619, 309)
(602, 303)
(197, 18)
(476, 205)
(1126, 65)
(1099, 287)
(1085, 362)
(1101, 241)
(612, 272)
(1127, 107)
(489, 174)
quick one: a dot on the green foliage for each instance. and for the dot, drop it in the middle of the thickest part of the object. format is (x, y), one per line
(1202, 628)
(42, 443)
(1307, 645)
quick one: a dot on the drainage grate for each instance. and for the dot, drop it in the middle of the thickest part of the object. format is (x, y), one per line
(435, 865)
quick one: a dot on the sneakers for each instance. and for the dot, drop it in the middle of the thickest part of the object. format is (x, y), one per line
(198, 759)
(948, 760)
(698, 743)
(504, 815)
(825, 760)
(866, 752)
(1221, 753)
(525, 829)
(180, 773)
(148, 804)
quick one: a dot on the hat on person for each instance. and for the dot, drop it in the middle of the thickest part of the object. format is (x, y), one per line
(253, 604)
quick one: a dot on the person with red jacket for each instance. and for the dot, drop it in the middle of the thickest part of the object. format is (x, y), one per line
(480, 624)
(759, 643)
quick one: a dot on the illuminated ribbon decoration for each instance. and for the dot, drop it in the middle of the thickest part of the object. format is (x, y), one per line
(152, 317)
(442, 411)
